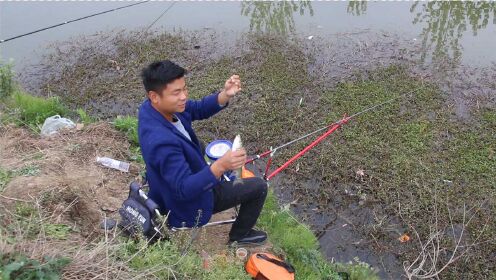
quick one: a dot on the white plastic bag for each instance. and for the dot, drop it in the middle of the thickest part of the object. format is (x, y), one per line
(54, 123)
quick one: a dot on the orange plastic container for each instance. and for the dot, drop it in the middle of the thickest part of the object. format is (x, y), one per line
(269, 267)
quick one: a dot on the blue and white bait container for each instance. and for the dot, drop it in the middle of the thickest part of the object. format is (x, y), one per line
(216, 149)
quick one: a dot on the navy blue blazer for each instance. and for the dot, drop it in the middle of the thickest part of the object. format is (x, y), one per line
(180, 180)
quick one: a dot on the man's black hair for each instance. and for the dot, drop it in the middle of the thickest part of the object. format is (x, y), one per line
(159, 73)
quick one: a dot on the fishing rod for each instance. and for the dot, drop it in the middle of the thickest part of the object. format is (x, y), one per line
(70, 21)
(160, 16)
(330, 129)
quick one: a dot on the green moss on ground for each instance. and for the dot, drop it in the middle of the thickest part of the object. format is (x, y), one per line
(5, 177)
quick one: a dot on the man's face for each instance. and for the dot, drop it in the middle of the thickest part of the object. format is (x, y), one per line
(173, 98)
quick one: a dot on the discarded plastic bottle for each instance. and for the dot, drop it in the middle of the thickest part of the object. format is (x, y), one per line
(112, 163)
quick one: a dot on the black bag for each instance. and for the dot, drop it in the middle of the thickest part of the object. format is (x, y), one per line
(138, 215)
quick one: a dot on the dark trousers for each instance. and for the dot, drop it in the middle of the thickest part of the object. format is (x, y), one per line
(250, 193)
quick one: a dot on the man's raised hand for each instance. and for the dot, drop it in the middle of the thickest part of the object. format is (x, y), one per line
(232, 85)
(231, 88)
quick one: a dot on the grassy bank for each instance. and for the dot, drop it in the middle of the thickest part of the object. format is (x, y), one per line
(28, 221)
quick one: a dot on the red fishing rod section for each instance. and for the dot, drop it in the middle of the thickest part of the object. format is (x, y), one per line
(307, 148)
(333, 127)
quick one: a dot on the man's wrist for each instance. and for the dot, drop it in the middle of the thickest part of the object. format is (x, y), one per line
(223, 98)
(217, 169)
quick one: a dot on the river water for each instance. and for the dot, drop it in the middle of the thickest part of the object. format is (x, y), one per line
(463, 33)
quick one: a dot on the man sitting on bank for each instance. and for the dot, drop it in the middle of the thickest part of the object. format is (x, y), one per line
(180, 180)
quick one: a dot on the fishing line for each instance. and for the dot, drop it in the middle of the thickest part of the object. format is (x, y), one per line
(330, 129)
(165, 11)
(70, 21)
(144, 33)
(335, 123)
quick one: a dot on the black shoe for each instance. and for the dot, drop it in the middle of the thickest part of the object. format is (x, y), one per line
(253, 237)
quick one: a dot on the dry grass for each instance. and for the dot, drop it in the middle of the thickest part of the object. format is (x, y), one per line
(94, 257)
(444, 245)
(63, 172)
(56, 211)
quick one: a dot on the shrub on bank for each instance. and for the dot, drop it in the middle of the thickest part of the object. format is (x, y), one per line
(21, 267)
(6, 80)
(22, 108)
(128, 125)
(32, 111)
